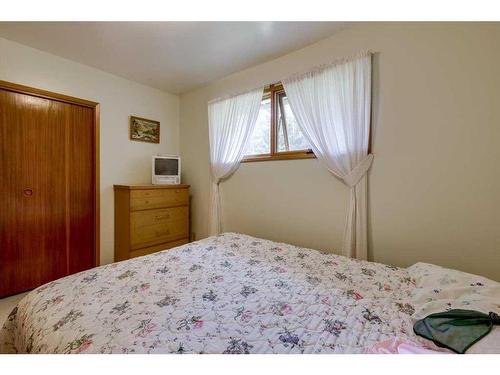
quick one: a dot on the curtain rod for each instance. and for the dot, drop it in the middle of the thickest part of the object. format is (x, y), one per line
(318, 68)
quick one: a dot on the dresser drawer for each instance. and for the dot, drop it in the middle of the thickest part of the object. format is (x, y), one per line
(156, 248)
(156, 198)
(145, 218)
(150, 227)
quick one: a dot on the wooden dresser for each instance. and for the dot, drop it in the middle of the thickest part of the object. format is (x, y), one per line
(150, 218)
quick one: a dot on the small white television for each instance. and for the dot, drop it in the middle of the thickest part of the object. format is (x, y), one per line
(166, 170)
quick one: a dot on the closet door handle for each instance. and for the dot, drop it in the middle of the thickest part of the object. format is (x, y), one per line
(28, 192)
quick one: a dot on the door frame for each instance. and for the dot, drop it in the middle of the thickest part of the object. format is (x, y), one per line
(95, 107)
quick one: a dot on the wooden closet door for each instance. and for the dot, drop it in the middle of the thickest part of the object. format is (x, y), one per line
(80, 189)
(46, 216)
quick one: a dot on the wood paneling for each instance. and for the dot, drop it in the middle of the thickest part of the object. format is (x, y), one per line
(47, 190)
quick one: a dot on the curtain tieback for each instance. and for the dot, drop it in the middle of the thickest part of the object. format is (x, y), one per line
(353, 177)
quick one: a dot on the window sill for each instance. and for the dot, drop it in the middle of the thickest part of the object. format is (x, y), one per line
(292, 155)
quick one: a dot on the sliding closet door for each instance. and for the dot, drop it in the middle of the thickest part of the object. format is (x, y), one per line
(80, 187)
(47, 211)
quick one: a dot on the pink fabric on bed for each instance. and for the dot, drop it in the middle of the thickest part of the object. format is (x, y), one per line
(400, 346)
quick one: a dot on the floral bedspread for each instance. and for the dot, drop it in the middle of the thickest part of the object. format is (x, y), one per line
(227, 294)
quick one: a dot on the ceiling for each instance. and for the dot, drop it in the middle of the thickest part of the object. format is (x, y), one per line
(173, 56)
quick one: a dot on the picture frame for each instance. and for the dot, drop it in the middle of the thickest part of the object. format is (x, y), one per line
(144, 130)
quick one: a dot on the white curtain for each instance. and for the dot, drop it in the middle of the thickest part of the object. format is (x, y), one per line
(332, 108)
(230, 122)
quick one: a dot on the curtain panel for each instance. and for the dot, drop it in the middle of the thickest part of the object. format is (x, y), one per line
(230, 122)
(332, 106)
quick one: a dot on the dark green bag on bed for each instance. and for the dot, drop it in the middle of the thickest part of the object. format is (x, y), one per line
(458, 329)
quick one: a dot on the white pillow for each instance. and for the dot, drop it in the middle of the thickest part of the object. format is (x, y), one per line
(439, 289)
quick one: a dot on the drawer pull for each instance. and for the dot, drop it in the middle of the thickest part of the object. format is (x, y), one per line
(160, 217)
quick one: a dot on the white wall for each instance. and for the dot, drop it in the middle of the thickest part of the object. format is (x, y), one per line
(122, 160)
(435, 181)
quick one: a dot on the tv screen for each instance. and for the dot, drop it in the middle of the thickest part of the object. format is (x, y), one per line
(166, 167)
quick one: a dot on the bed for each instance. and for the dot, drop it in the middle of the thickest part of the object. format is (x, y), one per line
(238, 294)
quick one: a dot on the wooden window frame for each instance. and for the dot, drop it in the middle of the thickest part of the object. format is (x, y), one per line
(272, 92)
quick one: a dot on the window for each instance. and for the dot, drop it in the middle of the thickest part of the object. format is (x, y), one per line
(260, 142)
(276, 135)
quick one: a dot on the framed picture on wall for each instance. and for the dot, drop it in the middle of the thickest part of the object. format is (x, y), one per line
(144, 130)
